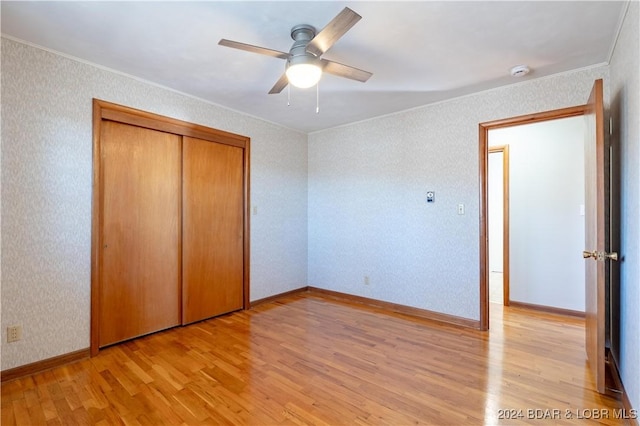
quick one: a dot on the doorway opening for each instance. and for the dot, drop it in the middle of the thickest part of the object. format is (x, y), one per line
(484, 144)
(498, 205)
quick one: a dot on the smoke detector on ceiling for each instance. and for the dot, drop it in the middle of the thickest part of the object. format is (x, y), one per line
(520, 71)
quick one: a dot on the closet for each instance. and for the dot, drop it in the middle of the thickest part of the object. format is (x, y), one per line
(170, 225)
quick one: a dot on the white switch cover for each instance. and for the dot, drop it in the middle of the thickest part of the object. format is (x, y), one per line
(460, 208)
(581, 209)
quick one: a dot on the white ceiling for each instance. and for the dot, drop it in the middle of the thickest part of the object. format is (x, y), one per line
(419, 52)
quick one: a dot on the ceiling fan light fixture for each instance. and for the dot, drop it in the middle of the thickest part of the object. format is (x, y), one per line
(303, 71)
(304, 75)
(304, 66)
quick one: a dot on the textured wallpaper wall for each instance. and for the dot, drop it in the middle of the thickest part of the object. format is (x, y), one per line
(46, 194)
(367, 196)
(625, 111)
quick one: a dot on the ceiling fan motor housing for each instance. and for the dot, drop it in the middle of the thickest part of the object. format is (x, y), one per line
(302, 35)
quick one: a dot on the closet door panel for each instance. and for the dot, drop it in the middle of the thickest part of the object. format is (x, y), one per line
(140, 232)
(212, 232)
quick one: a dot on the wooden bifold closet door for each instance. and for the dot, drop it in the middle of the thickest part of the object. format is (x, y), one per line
(212, 229)
(170, 224)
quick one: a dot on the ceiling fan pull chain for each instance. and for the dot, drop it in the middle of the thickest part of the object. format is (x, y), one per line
(288, 95)
(317, 97)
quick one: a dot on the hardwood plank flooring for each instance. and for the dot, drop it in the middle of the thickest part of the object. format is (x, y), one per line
(306, 359)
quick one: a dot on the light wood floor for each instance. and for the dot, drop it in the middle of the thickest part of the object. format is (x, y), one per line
(306, 359)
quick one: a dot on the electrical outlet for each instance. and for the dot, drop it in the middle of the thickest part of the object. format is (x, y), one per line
(366, 280)
(14, 333)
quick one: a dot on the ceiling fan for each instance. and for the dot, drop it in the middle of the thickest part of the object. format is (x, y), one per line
(304, 63)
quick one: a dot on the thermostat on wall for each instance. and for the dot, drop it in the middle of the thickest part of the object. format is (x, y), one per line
(431, 196)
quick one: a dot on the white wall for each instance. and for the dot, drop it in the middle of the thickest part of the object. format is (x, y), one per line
(546, 228)
(46, 194)
(495, 225)
(495, 206)
(367, 186)
(625, 112)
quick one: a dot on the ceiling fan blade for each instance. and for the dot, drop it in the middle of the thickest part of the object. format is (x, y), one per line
(254, 49)
(345, 71)
(333, 31)
(280, 84)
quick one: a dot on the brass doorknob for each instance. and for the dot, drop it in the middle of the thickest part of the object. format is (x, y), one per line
(597, 256)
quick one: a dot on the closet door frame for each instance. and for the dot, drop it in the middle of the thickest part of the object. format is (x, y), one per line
(107, 111)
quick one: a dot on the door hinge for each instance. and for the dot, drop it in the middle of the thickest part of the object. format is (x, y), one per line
(610, 126)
